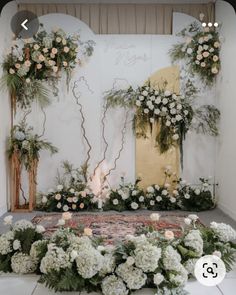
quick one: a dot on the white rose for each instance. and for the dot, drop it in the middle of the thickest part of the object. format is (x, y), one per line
(115, 202)
(168, 123)
(61, 222)
(164, 192)
(197, 191)
(60, 187)
(65, 208)
(178, 117)
(155, 217)
(8, 220)
(179, 107)
(59, 205)
(157, 187)
(36, 47)
(189, 51)
(167, 93)
(214, 70)
(150, 189)
(173, 111)
(175, 137)
(66, 49)
(165, 101)
(141, 98)
(193, 217)
(152, 203)
(164, 109)
(138, 103)
(199, 57)
(134, 205)
(215, 58)
(157, 111)
(40, 229)
(206, 54)
(141, 199)
(146, 111)
(187, 221)
(72, 191)
(159, 198)
(12, 71)
(73, 255)
(187, 196)
(16, 245)
(145, 93)
(158, 100)
(217, 253)
(173, 200)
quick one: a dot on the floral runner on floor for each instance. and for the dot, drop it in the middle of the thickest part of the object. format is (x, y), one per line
(73, 259)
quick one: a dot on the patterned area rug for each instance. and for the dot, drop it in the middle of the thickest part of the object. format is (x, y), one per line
(113, 226)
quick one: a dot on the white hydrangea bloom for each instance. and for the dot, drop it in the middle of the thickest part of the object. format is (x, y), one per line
(179, 279)
(55, 259)
(132, 276)
(5, 244)
(16, 245)
(22, 225)
(190, 265)
(224, 231)
(109, 264)
(158, 279)
(194, 240)
(35, 249)
(89, 262)
(171, 258)
(79, 243)
(147, 257)
(22, 263)
(113, 285)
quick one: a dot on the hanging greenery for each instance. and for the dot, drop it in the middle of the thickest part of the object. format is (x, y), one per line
(27, 145)
(200, 50)
(173, 112)
(39, 60)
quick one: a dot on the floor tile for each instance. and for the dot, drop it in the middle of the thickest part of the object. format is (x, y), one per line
(195, 288)
(228, 286)
(17, 285)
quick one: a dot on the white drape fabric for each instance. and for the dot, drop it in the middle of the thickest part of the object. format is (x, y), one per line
(125, 18)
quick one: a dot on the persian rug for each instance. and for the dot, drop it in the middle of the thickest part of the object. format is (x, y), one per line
(113, 227)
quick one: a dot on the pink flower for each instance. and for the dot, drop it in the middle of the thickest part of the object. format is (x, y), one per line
(169, 235)
(66, 216)
(81, 206)
(54, 50)
(88, 231)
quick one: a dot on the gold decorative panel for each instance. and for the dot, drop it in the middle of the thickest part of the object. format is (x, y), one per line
(150, 164)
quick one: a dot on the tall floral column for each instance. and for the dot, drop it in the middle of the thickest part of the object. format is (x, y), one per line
(15, 179)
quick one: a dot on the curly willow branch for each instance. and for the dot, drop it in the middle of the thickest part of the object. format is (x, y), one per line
(103, 137)
(82, 125)
(121, 148)
(44, 121)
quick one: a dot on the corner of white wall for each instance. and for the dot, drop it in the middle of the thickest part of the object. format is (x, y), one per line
(226, 92)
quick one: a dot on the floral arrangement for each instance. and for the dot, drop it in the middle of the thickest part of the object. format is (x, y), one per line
(27, 145)
(200, 50)
(40, 60)
(178, 195)
(126, 197)
(175, 113)
(71, 192)
(76, 262)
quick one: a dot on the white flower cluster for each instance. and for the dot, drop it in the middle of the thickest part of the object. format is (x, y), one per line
(147, 256)
(194, 240)
(109, 264)
(23, 225)
(35, 249)
(178, 275)
(89, 262)
(190, 265)
(22, 263)
(112, 285)
(6, 243)
(166, 105)
(132, 276)
(55, 259)
(224, 231)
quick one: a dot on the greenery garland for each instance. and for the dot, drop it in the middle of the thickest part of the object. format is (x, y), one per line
(74, 260)
(27, 145)
(39, 60)
(176, 114)
(200, 50)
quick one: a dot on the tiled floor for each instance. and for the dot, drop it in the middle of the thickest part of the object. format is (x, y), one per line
(11, 284)
(27, 285)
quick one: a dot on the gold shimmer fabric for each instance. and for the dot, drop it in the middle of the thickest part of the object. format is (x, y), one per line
(150, 164)
(125, 18)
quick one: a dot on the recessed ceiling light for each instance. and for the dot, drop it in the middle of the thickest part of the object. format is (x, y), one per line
(209, 24)
(216, 25)
(204, 24)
